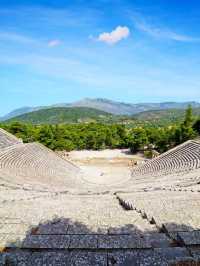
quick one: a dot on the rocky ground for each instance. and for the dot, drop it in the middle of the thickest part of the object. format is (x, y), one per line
(105, 167)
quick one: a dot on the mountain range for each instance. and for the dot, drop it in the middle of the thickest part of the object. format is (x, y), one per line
(109, 106)
(57, 115)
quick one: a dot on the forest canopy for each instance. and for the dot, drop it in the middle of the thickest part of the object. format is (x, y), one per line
(97, 136)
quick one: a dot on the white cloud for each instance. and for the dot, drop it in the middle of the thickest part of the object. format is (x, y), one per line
(54, 43)
(114, 36)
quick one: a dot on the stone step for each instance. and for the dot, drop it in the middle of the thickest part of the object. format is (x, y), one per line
(54, 258)
(155, 257)
(129, 241)
(190, 238)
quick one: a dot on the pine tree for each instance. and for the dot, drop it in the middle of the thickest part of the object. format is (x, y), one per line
(189, 119)
(187, 132)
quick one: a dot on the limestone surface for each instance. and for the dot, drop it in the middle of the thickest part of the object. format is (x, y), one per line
(52, 213)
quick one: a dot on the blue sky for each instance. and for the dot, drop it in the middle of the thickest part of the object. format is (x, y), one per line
(134, 51)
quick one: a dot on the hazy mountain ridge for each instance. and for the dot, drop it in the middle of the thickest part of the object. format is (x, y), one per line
(55, 115)
(109, 106)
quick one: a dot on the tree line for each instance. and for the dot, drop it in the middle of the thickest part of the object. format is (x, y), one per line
(95, 136)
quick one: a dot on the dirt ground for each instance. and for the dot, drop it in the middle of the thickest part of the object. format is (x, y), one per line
(106, 167)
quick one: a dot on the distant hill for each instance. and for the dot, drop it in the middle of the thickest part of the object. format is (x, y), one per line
(63, 115)
(56, 115)
(163, 117)
(121, 108)
(113, 107)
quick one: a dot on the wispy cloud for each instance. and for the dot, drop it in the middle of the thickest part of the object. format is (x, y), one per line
(54, 66)
(54, 43)
(106, 78)
(51, 17)
(114, 36)
(160, 32)
(15, 37)
(26, 40)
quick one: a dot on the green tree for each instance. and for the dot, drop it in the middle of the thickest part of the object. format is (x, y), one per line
(138, 139)
(189, 119)
(46, 136)
(187, 131)
(196, 126)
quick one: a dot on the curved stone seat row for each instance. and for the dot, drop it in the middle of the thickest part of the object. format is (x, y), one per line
(35, 163)
(182, 158)
(12, 195)
(189, 180)
(7, 139)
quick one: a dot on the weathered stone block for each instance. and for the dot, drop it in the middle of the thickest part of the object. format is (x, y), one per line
(46, 241)
(83, 241)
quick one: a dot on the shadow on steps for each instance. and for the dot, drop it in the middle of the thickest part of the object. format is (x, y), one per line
(61, 241)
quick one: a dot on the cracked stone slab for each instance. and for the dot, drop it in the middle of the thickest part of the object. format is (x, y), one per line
(50, 258)
(135, 258)
(171, 253)
(158, 240)
(46, 241)
(153, 257)
(37, 258)
(83, 241)
(190, 238)
(88, 259)
(68, 258)
(122, 241)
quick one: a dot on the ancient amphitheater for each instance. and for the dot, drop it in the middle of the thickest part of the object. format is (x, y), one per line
(51, 215)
